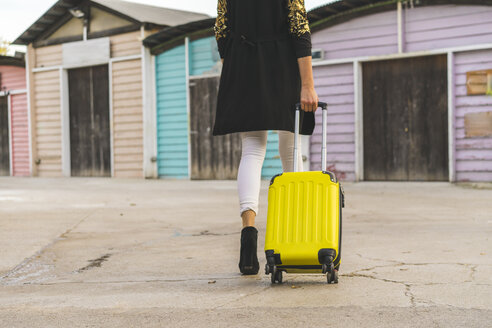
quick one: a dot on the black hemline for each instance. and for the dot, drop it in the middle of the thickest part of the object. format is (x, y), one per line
(221, 133)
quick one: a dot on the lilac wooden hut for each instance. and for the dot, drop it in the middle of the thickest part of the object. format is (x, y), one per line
(408, 85)
(14, 122)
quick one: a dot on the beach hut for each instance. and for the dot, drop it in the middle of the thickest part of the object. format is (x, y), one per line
(14, 123)
(90, 84)
(406, 83)
(187, 70)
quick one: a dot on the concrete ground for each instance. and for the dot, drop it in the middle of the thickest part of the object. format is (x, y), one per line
(158, 253)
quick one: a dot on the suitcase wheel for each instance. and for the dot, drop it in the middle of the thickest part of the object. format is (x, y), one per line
(332, 277)
(276, 275)
(327, 268)
(331, 273)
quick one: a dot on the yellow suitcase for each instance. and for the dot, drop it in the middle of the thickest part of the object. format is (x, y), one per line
(304, 219)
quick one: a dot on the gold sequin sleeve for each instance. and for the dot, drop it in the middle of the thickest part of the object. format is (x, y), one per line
(221, 27)
(299, 27)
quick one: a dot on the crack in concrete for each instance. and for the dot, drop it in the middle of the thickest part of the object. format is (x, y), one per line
(473, 271)
(432, 303)
(178, 233)
(471, 267)
(26, 263)
(355, 274)
(127, 281)
(95, 263)
(208, 233)
(19, 267)
(408, 293)
(418, 263)
(242, 297)
(379, 266)
(376, 259)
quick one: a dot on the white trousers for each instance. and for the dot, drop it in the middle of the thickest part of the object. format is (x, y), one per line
(252, 157)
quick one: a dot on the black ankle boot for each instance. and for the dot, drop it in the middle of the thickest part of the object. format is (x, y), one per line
(248, 262)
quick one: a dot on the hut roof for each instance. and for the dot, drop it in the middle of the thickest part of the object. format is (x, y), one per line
(320, 17)
(152, 14)
(343, 10)
(12, 61)
(137, 13)
(166, 38)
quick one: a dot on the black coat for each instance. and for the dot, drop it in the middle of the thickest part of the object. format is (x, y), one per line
(260, 41)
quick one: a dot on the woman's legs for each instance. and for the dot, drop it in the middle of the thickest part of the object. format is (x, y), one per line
(249, 174)
(249, 182)
(286, 151)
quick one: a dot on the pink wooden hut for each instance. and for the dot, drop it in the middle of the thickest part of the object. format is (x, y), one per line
(408, 85)
(14, 123)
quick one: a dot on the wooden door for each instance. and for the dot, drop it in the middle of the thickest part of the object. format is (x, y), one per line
(90, 152)
(212, 157)
(405, 119)
(4, 137)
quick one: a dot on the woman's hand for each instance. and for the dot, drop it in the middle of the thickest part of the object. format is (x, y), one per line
(309, 99)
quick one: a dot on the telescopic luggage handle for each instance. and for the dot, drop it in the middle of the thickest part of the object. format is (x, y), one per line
(324, 107)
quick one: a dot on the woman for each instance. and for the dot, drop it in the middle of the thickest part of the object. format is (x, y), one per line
(265, 47)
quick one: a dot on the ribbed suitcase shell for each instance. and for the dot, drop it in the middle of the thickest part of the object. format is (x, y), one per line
(303, 218)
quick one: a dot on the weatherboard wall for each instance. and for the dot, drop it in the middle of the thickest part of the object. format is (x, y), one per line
(19, 135)
(127, 119)
(126, 44)
(172, 116)
(13, 78)
(364, 36)
(473, 154)
(445, 26)
(203, 55)
(127, 107)
(46, 119)
(335, 86)
(13, 81)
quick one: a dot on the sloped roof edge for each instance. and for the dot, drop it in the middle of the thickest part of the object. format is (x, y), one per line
(343, 10)
(152, 14)
(12, 61)
(320, 17)
(159, 39)
(143, 14)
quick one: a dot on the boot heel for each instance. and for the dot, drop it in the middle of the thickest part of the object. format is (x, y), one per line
(248, 262)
